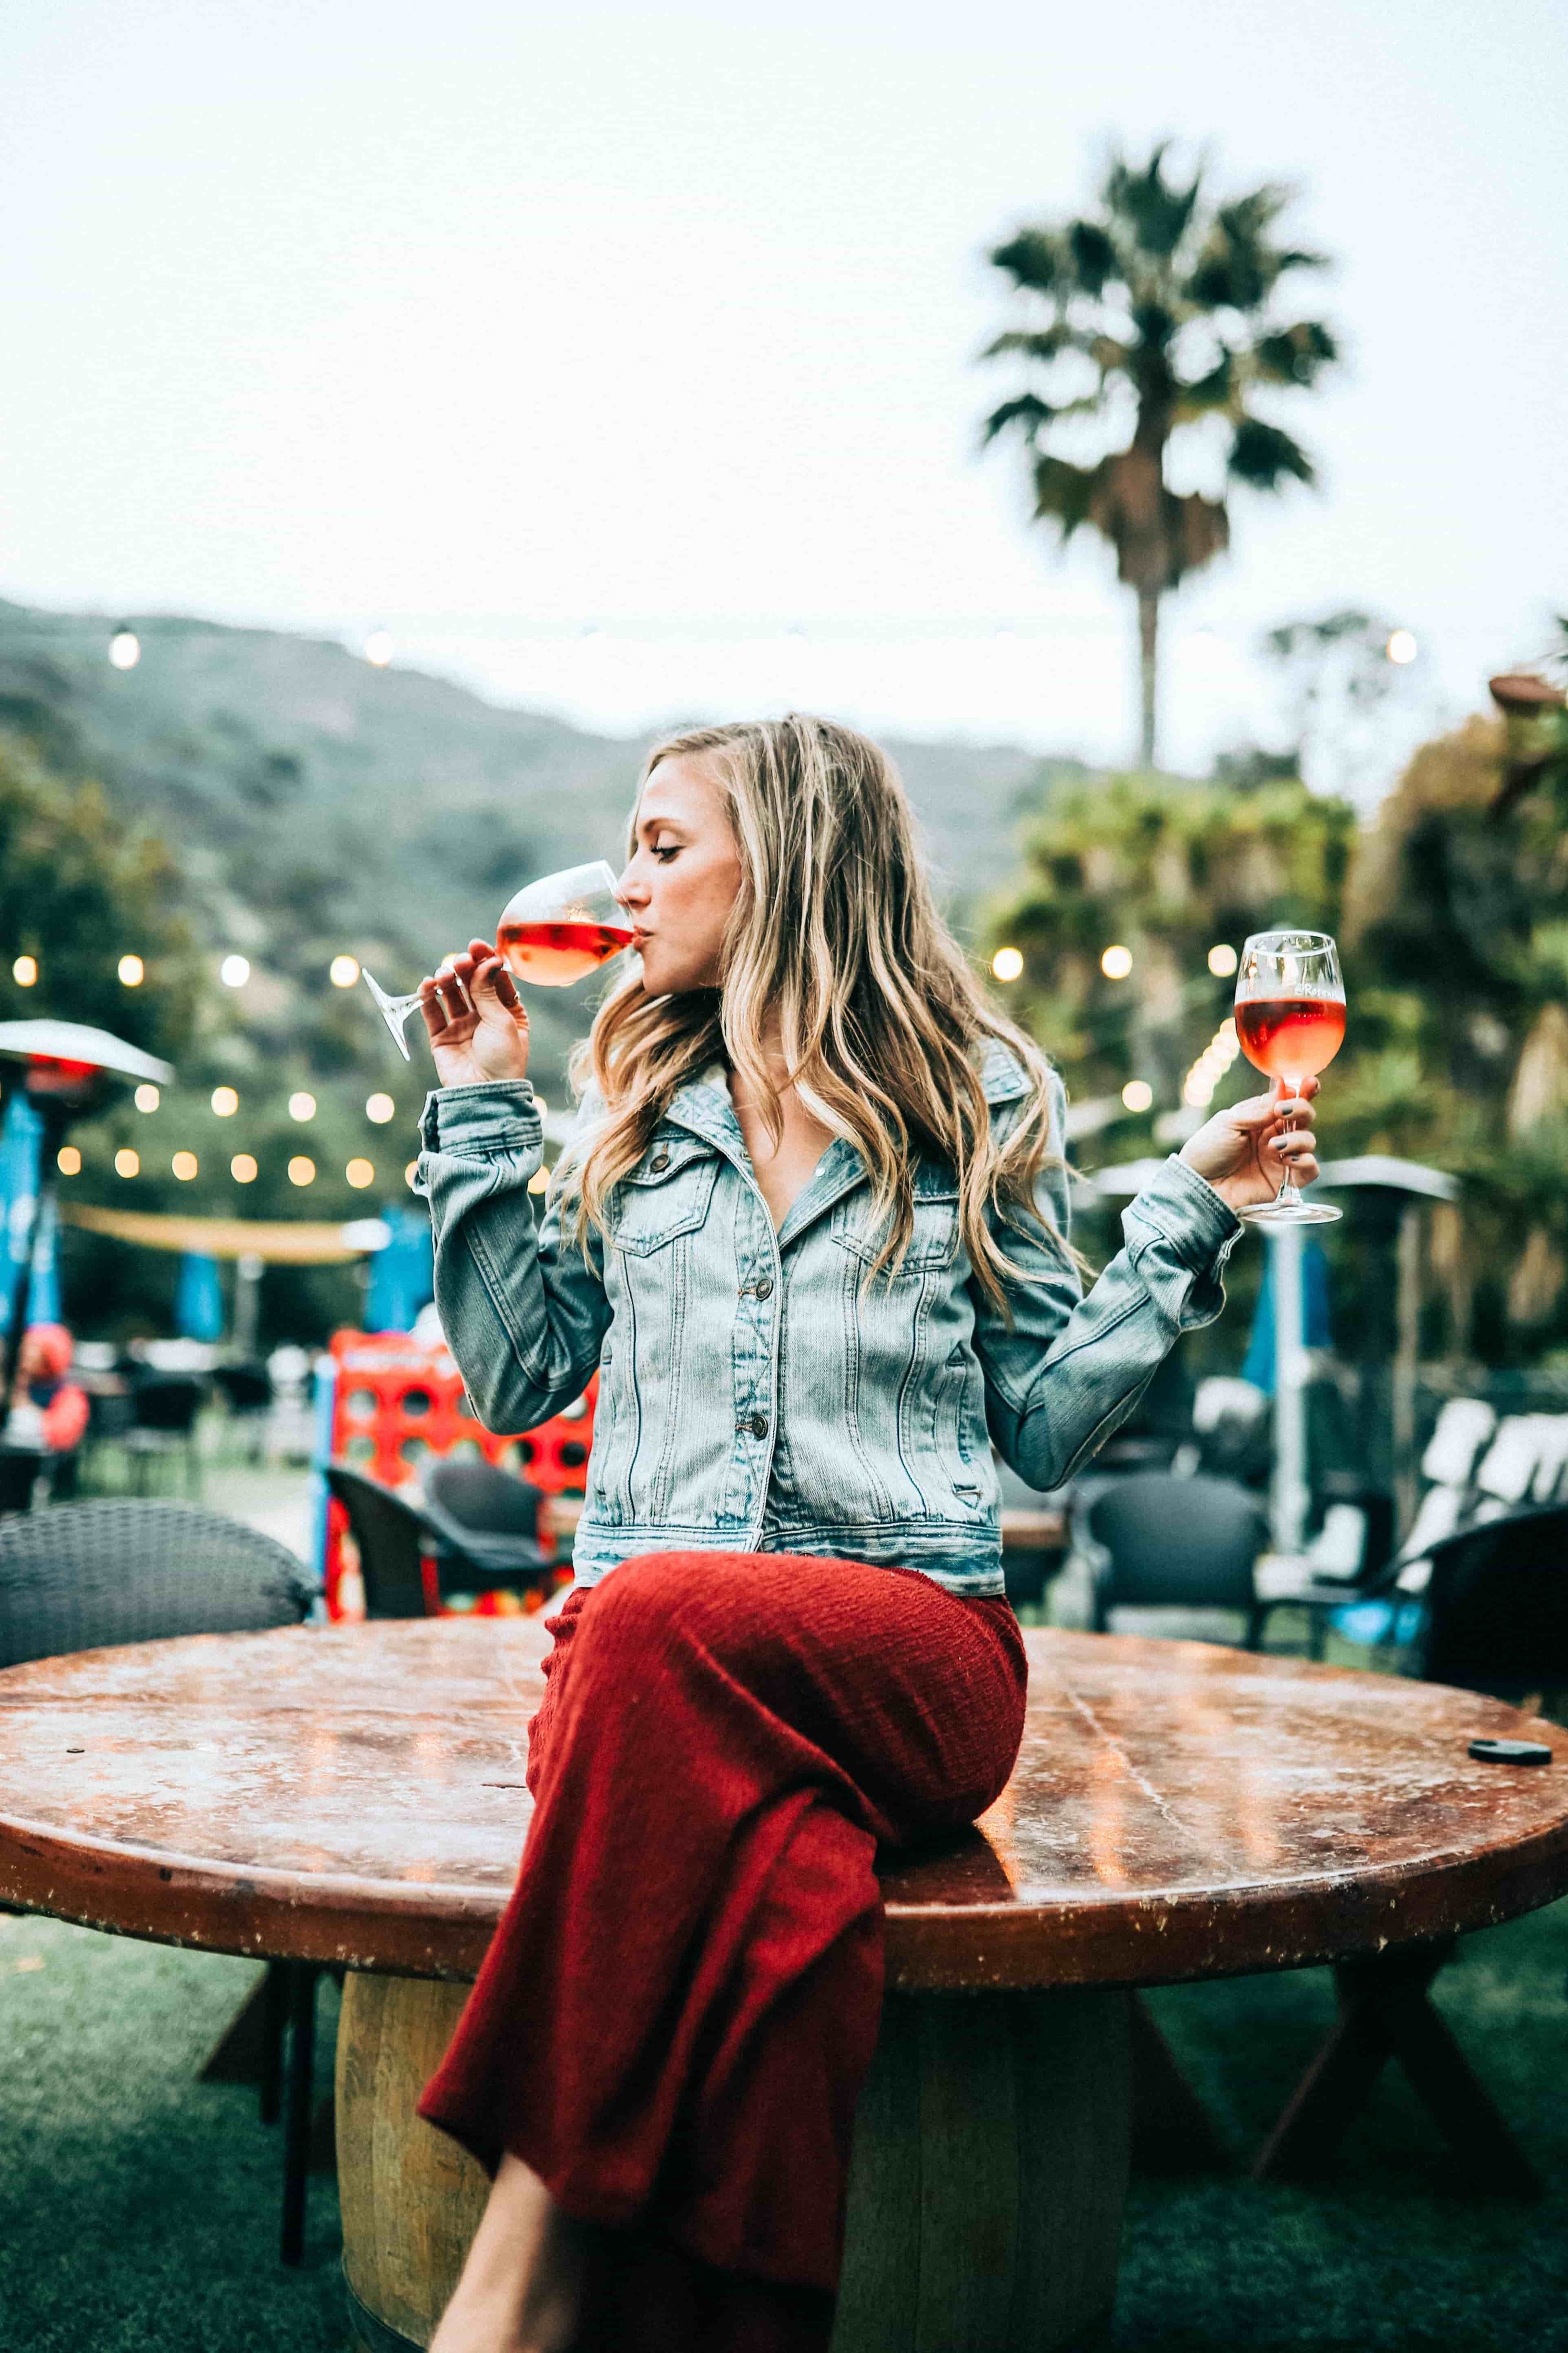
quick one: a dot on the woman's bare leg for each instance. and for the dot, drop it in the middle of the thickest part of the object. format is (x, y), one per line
(522, 2286)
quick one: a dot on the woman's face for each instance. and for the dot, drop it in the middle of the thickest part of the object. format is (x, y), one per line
(682, 883)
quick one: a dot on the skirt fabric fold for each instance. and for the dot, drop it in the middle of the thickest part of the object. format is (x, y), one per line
(680, 2004)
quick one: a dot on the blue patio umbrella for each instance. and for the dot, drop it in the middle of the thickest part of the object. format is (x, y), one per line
(402, 1275)
(199, 1298)
(1259, 1363)
(21, 1170)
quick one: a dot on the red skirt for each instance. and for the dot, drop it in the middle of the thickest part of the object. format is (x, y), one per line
(679, 2009)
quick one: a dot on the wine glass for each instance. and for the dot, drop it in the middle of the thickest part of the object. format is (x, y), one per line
(1290, 1020)
(551, 933)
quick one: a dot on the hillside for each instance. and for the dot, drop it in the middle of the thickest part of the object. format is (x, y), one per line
(319, 804)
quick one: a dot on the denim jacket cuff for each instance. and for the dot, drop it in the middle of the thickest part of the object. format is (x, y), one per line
(1188, 1215)
(501, 1115)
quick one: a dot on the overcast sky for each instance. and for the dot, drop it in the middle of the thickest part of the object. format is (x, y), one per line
(652, 333)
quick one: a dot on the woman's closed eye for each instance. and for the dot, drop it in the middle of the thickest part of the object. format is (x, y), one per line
(665, 849)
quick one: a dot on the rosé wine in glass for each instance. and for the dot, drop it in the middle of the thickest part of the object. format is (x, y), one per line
(1290, 1020)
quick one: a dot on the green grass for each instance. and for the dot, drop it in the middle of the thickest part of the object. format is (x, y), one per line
(139, 2208)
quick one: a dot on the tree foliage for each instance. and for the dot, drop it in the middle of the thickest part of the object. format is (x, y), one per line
(1156, 315)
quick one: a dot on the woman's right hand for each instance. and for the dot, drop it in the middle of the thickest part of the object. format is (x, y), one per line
(476, 1021)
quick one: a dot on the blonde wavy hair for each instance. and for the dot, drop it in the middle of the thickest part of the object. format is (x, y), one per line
(835, 931)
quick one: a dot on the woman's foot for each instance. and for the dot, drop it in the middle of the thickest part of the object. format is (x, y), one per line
(521, 2288)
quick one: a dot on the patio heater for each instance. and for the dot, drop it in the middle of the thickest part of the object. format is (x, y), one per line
(68, 1072)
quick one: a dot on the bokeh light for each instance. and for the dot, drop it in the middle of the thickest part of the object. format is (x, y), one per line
(1401, 647)
(147, 1098)
(242, 1169)
(302, 1105)
(539, 1180)
(1115, 963)
(301, 1171)
(1222, 960)
(1008, 964)
(411, 1172)
(127, 1163)
(124, 649)
(225, 1102)
(360, 1173)
(344, 971)
(1137, 1095)
(379, 1108)
(379, 649)
(234, 971)
(25, 972)
(132, 972)
(184, 1165)
(67, 1160)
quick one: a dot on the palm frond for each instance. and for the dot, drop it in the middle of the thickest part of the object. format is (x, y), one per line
(1264, 457)
(1218, 389)
(1064, 493)
(1027, 415)
(1036, 260)
(1094, 255)
(1295, 355)
(1158, 213)
(1046, 343)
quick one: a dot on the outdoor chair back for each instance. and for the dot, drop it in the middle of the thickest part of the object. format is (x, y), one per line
(1496, 1616)
(487, 1522)
(19, 1470)
(166, 1401)
(393, 1539)
(1168, 1543)
(87, 1577)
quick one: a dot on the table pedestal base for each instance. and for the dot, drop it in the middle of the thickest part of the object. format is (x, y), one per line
(985, 2196)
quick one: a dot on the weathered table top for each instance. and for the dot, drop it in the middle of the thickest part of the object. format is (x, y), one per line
(356, 1794)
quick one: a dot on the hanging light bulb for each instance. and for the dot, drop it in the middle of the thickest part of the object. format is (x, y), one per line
(124, 648)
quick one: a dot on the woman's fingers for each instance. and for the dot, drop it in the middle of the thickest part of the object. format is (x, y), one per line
(431, 1006)
(491, 979)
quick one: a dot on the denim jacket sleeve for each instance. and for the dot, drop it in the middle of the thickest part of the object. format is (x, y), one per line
(523, 1314)
(1073, 1366)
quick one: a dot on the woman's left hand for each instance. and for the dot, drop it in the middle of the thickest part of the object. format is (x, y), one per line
(1247, 1152)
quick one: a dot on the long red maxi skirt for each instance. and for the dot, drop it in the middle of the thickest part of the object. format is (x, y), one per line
(679, 2009)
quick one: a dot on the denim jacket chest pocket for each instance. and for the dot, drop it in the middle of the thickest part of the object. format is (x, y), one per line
(666, 1194)
(933, 1242)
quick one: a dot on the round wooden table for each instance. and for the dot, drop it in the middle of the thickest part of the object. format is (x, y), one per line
(355, 1795)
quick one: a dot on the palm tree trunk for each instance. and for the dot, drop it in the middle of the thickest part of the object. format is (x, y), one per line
(1148, 670)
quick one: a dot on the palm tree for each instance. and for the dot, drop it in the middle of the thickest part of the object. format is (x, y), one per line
(1159, 312)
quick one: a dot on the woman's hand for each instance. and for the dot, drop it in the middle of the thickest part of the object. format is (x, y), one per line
(478, 1025)
(1247, 1152)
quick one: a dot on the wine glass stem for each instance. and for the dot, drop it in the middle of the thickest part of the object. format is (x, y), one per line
(1288, 1192)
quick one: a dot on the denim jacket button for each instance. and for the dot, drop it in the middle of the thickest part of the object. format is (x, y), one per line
(764, 1288)
(758, 1425)
(658, 1164)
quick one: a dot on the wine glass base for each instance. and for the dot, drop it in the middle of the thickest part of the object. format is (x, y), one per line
(394, 1010)
(1290, 1213)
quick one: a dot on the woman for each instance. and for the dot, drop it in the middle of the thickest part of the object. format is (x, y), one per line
(811, 1226)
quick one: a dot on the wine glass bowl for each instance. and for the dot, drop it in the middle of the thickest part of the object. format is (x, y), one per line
(551, 932)
(1290, 1020)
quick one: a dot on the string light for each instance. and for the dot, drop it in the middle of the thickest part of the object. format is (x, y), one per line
(1198, 1087)
(1007, 964)
(132, 972)
(1115, 963)
(1137, 1095)
(184, 1165)
(1401, 647)
(67, 1160)
(124, 649)
(379, 649)
(1222, 960)
(302, 1105)
(25, 972)
(242, 1169)
(379, 1108)
(234, 971)
(147, 1099)
(360, 1173)
(225, 1102)
(301, 1171)
(539, 1180)
(410, 1173)
(344, 971)
(127, 1163)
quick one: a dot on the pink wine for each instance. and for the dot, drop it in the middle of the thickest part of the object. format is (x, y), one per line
(1290, 1037)
(553, 956)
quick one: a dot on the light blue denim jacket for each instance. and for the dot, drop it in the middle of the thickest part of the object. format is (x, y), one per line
(751, 1399)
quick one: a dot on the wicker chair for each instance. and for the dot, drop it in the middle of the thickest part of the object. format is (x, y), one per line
(88, 1576)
